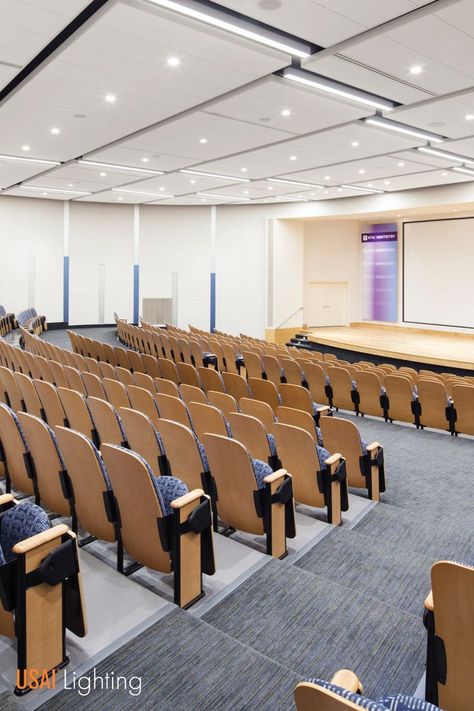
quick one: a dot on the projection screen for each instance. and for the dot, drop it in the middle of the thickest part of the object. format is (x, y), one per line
(438, 283)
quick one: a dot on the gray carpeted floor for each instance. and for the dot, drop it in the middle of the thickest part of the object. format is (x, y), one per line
(60, 338)
(354, 600)
(185, 665)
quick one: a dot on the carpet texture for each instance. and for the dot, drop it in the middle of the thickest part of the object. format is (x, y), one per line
(187, 665)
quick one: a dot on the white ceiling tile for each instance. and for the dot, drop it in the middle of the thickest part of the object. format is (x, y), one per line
(325, 148)
(464, 146)
(125, 53)
(26, 26)
(420, 180)
(363, 77)
(310, 110)
(180, 184)
(324, 22)
(445, 116)
(12, 172)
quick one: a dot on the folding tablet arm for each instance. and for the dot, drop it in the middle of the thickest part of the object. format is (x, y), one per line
(187, 535)
(42, 585)
(332, 483)
(278, 512)
(373, 469)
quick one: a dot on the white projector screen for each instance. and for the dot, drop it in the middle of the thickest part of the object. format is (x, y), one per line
(438, 284)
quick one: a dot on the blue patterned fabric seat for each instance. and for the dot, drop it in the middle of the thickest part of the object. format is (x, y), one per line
(2, 558)
(20, 522)
(398, 702)
(319, 436)
(323, 454)
(17, 423)
(272, 445)
(261, 470)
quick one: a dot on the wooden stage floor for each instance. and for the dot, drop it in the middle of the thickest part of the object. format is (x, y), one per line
(443, 348)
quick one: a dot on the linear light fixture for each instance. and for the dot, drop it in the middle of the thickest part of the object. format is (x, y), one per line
(403, 128)
(290, 197)
(223, 197)
(190, 171)
(331, 86)
(30, 160)
(359, 187)
(238, 24)
(463, 169)
(444, 154)
(115, 166)
(53, 190)
(141, 192)
(294, 182)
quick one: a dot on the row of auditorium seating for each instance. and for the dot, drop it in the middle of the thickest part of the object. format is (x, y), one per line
(97, 407)
(7, 321)
(31, 321)
(425, 399)
(229, 392)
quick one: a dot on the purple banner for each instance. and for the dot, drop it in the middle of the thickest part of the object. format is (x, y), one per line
(380, 273)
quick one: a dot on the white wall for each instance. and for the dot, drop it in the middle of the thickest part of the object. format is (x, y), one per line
(31, 230)
(288, 273)
(332, 253)
(241, 270)
(100, 234)
(180, 239)
(177, 240)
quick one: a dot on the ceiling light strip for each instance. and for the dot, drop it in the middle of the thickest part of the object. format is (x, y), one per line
(345, 91)
(30, 160)
(358, 187)
(447, 155)
(294, 182)
(238, 24)
(53, 190)
(463, 169)
(141, 192)
(116, 166)
(403, 128)
(190, 171)
(223, 197)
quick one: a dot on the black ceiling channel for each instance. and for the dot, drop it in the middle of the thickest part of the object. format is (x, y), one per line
(52, 46)
(262, 25)
(296, 64)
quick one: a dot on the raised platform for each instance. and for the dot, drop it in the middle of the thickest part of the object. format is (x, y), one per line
(439, 348)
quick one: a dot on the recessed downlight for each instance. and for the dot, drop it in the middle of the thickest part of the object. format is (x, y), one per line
(110, 98)
(286, 112)
(293, 157)
(173, 62)
(401, 164)
(203, 140)
(327, 177)
(102, 174)
(469, 117)
(55, 131)
(416, 69)
(244, 170)
(145, 159)
(361, 171)
(355, 144)
(26, 148)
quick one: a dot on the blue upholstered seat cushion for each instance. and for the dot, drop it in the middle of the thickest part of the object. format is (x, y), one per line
(363, 446)
(271, 444)
(169, 488)
(261, 470)
(2, 558)
(387, 703)
(319, 436)
(323, 454)
(21, 522)
(399, 702)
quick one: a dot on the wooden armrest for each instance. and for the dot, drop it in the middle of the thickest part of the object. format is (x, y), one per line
(186, 499)
(6, 499)
(40, 538)
(372, 447)
(429, 604)
(333, 459)
(323, 408)
(347, 680)
(274, 476)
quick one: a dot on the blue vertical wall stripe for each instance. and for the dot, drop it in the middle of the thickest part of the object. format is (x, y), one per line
(66, 290)
(213, 301)
(136, 292)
